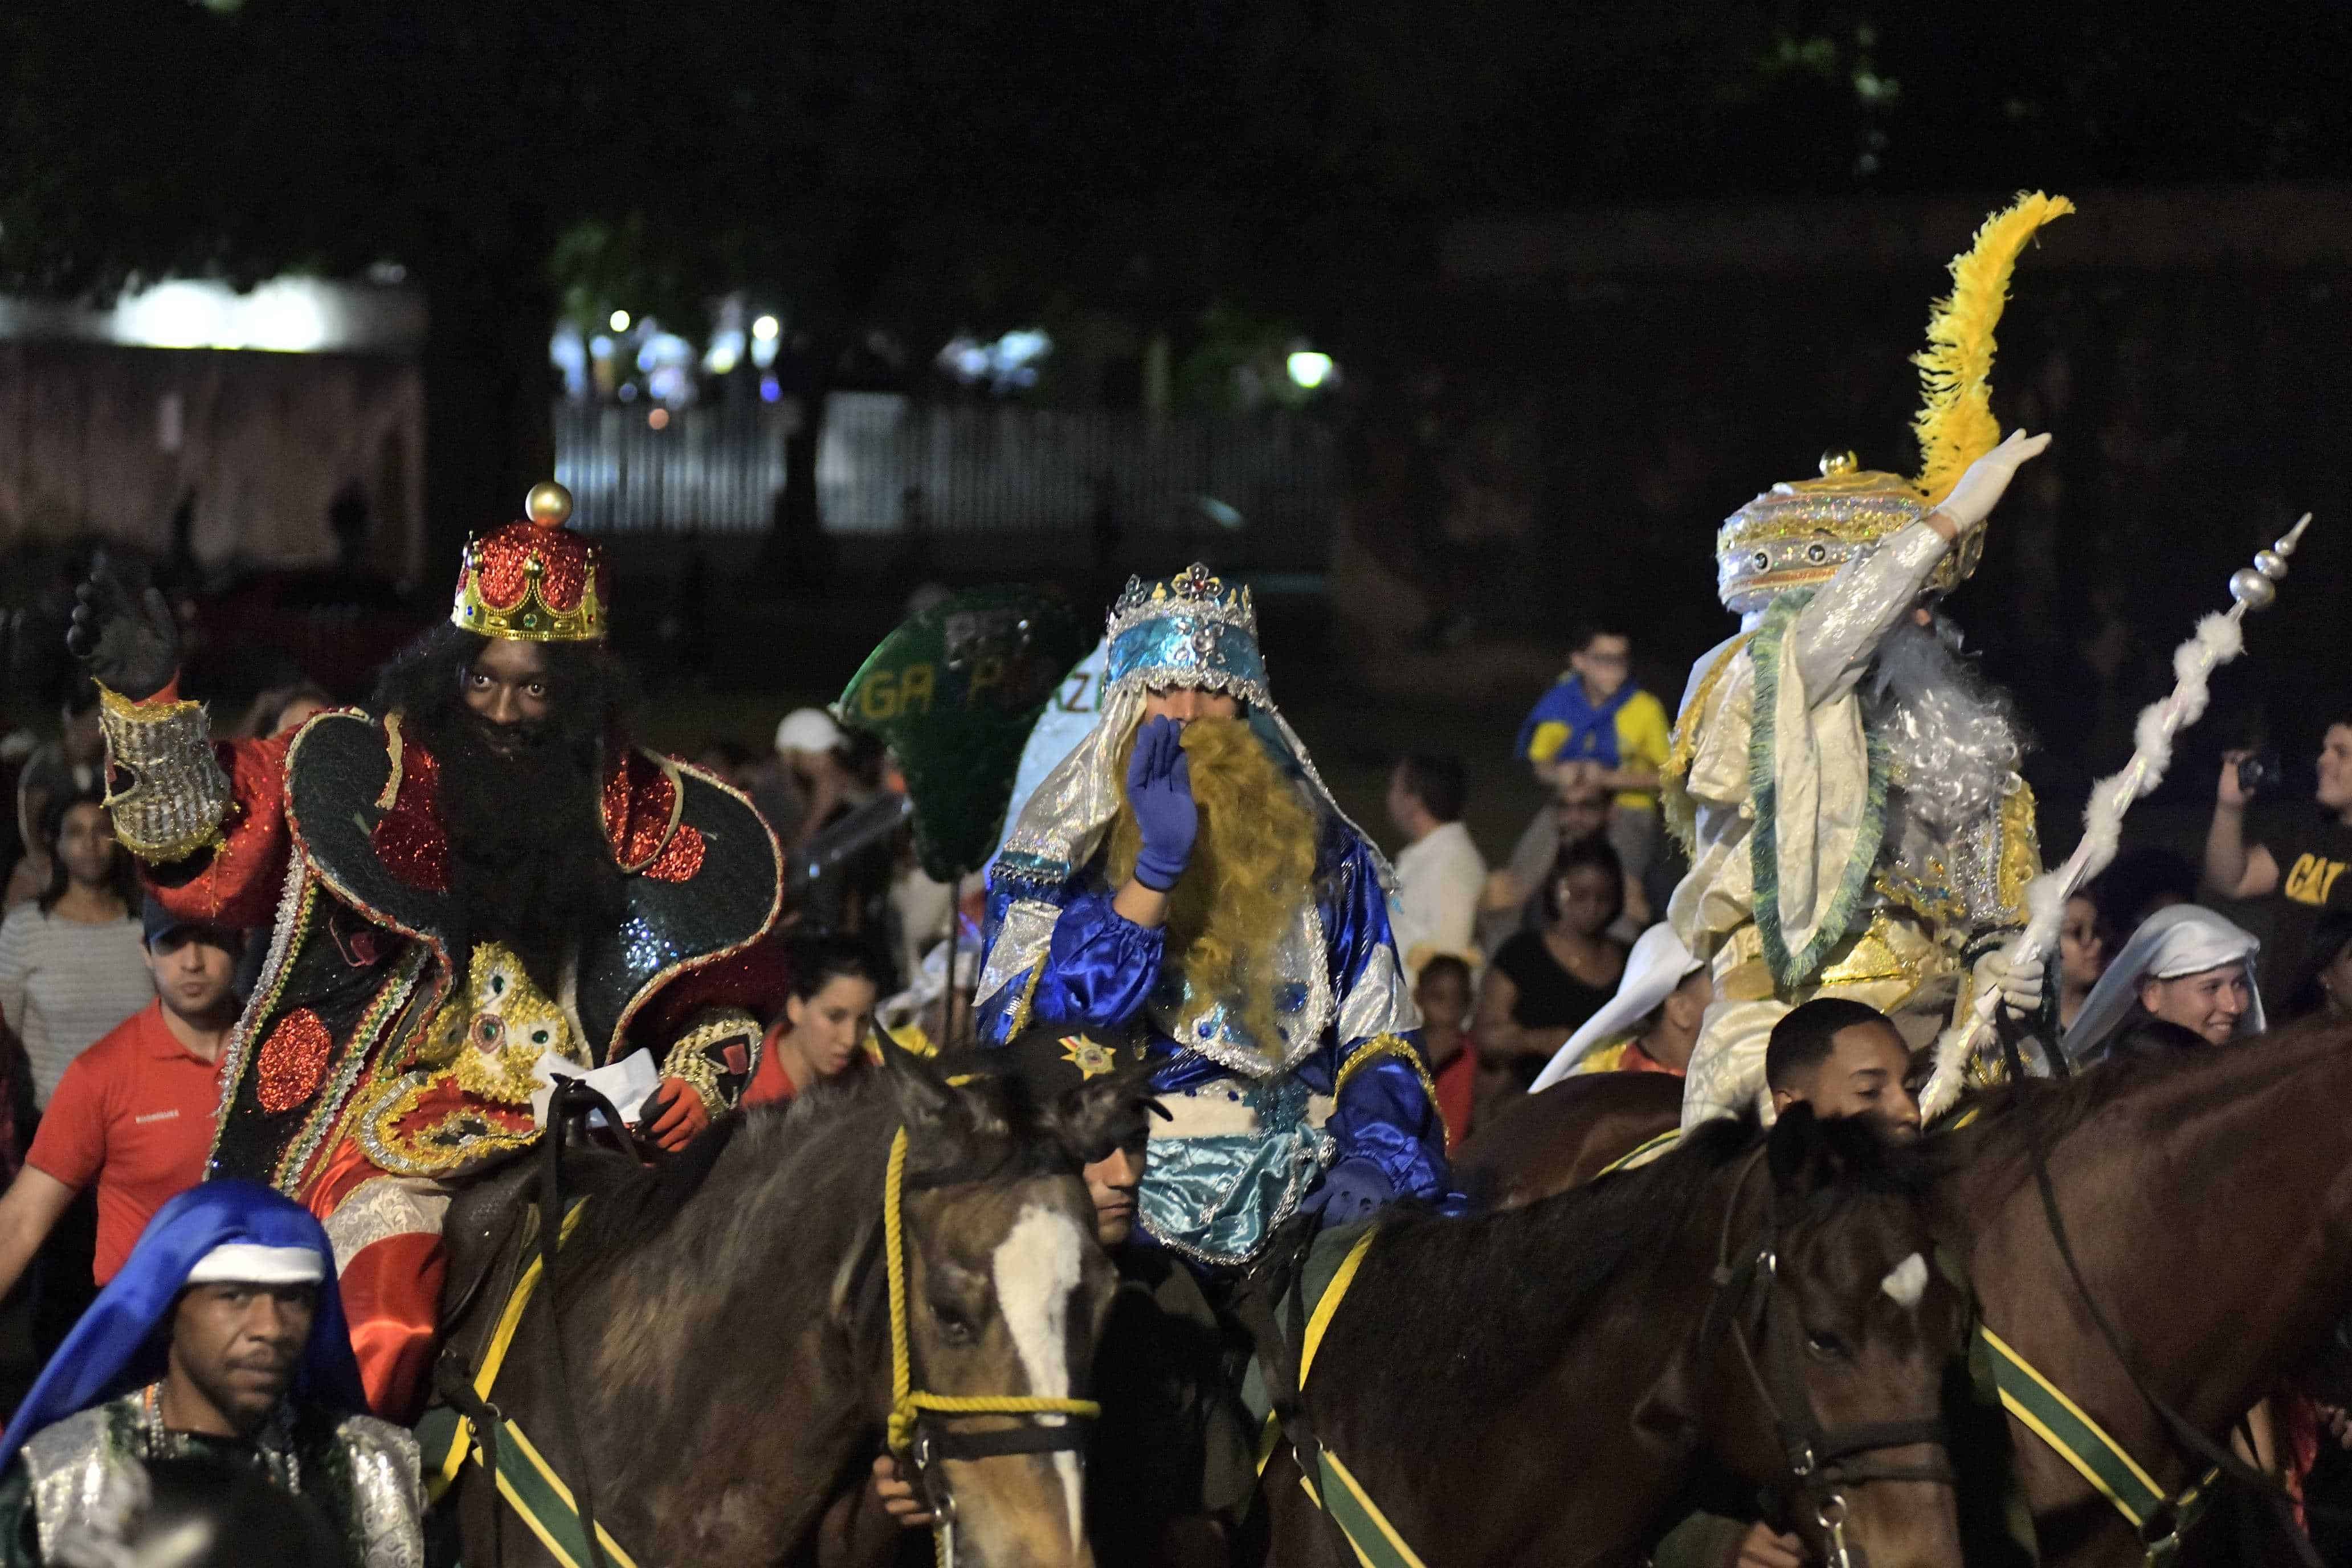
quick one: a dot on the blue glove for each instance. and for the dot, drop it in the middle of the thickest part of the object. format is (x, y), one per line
(1352, 1189)
(1159, 792)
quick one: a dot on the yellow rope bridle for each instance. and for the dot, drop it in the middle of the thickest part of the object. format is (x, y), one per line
(908, 1402)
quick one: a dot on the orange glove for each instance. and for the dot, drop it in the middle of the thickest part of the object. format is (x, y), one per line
(683, 1114)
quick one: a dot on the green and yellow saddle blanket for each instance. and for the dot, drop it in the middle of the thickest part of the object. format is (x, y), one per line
(448, 1440)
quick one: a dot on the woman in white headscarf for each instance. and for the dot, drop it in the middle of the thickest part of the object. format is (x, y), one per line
(2185, 967)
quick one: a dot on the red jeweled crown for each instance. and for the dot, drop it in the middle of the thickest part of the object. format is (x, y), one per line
(533, 581)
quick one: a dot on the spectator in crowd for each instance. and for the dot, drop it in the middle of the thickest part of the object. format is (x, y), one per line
(71, 964)
(2142, 879)
(727, 761)
(835, 774)
(1440, 873)
(1843, 1058)
(133, 1114)
(298, 707)
(1544, 984)
(2299, 863)
(814, 753)
(1651, 1025)
(2185, 967)
(74, 763)
(823, 1032)
(2326, 986)
(1600, 729)
(282, 710)
(1443, 995)
(1513, 899)
(2081, 956)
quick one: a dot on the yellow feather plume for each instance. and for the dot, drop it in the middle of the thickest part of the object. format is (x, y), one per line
(1955, 425)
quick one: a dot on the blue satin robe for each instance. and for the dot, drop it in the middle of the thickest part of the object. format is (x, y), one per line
(1100, 968)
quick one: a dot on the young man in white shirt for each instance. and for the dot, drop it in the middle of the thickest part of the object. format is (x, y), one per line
(1440, 873)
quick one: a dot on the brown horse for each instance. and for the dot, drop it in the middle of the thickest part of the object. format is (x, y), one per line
(726, 1324)
(1543, 1143)
(1555, 1384)
(2208, 1197)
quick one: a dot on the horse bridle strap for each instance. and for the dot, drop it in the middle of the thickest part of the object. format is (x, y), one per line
(1820, 1458)
(909, 1404)
(2186, 1434)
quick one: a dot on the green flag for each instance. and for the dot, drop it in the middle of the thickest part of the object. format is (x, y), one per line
(954, 692)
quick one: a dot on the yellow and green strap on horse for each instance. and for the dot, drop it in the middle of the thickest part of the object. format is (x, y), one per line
(1371, 1536)
(525, 1478)
(2044, 1409)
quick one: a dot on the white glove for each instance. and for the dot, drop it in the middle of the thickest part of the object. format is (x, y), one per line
(1980, 490)
(2018, 982)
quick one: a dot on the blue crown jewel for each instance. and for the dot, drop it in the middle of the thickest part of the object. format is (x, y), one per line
(1192, 629)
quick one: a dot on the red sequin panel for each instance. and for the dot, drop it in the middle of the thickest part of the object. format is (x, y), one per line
(563, 561)
(680, 858)
(500, 579)
(294, 1061)
(410, 840)
(638, 797)
(564, 569)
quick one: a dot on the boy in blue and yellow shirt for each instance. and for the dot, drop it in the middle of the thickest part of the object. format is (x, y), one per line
(1596, 722)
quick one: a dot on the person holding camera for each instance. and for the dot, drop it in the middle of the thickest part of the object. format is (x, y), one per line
(2299, 864)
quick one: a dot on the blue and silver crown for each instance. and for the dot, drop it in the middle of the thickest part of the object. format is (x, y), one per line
(1194, 629)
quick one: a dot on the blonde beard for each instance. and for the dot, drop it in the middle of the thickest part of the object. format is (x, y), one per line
(1252, 863)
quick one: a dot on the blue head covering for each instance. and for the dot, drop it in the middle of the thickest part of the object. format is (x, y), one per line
(121, 1342)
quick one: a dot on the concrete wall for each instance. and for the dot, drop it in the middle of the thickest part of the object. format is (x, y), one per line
(107, 440)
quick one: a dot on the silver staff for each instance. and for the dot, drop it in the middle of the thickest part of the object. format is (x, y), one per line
(2219, 638)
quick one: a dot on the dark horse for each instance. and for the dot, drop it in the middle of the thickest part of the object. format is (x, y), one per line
(2208, 1197)
(1558, 1384)
(1543, 1143)
(726, 1325)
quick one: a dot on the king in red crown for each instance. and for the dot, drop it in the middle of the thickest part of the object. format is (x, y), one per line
(472, 885)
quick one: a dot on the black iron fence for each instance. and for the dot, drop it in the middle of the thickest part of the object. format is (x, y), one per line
(888, 465)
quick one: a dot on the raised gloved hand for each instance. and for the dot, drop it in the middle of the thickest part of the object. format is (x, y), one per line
(1352, 1189)
(1159, 792)
(129, 640)
(1980, 490)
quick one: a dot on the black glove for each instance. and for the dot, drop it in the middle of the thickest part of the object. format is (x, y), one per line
(126, 638)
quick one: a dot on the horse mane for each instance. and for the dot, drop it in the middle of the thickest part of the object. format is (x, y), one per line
(819, 1154)
(1533, 1276)
(2037, 1113)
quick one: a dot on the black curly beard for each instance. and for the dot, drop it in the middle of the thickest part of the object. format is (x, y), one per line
(529, 862)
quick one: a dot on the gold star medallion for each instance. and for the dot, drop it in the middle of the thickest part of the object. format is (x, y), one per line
(1091, 1059)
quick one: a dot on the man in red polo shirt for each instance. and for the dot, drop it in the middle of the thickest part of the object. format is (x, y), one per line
(134, 1112)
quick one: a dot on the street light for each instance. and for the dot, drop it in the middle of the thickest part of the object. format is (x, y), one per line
(619, 320)
(1309, 368)
(766, 328)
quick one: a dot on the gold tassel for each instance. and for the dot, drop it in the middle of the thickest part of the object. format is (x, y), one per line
(1955, 425)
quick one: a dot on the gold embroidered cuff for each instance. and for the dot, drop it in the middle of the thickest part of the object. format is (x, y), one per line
(165, 788)
(1375, 1049)
(690, 1059)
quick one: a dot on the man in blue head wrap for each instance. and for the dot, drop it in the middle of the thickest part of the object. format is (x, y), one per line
(1184, 873)
(221, 1340)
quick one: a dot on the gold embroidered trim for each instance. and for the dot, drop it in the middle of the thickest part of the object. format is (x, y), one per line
(1676, 808)
(1377, 1048)
(2020, 850)
(687, 1062)
(391, 791)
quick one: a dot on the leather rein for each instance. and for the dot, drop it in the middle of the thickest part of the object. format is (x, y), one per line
(1821, 1461)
